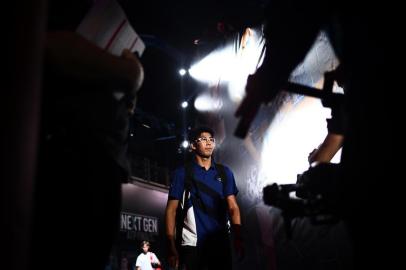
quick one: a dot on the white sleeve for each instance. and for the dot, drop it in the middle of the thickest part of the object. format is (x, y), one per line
(155, 258)
(138, 262)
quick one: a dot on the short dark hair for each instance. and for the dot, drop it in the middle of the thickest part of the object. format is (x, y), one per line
(145, 243)
(194, 134)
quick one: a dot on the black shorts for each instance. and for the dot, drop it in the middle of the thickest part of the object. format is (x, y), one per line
(212, 255)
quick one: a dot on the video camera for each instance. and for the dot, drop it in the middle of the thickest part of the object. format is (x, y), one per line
(317, 196)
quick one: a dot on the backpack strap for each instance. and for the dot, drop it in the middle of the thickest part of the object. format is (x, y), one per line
(221, 175)
(191, 181)
(181, 211)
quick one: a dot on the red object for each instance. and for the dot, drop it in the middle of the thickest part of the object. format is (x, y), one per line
(159, 267)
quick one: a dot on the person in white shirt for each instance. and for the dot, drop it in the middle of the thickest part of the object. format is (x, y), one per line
(146, 260)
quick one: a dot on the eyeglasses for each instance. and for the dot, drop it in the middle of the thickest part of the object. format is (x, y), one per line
(206, 140)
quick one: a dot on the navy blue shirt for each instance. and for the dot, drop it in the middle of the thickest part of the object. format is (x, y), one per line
(212, 194)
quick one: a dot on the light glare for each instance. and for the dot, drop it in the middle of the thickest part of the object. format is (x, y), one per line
(185, 144)
(184, 104)
(182, 72)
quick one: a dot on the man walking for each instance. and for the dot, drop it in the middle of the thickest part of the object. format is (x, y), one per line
(201, 204)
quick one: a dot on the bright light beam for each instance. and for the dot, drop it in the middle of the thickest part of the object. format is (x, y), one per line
(225, 65)
(294, 132)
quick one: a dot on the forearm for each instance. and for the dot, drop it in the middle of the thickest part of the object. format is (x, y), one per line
(233, 210)
(170, 217)
(235, 216)
(170, 225)
(328, 148)
(73, 57)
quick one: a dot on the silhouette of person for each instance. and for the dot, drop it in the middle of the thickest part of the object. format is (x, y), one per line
(336, 126)
(359, 37)
(84, 130)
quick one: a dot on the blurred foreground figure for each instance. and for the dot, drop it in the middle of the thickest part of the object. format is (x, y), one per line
(84, 130)
(364, 179)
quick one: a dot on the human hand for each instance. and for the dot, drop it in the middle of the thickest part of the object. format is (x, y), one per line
(238, 243)
(137, 71)
(173, 255)
(136, 78)
(322, 180)
(312, 155)
(173, 260)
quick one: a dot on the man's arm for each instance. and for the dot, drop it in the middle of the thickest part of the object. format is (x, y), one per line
(156, 259)
(73, 57)
(170, 223)
(326, 151)
(235, 217)
(138, 263)
(233, 210)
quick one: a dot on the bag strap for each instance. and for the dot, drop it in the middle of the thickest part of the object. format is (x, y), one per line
(182, 211)
(221, 175)
(191, 181)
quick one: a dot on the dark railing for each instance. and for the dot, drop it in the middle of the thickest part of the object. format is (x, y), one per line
(149, 170)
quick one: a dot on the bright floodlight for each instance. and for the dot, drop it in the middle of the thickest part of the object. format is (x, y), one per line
(184, 104)
(182, 71)
(207, 103)
(295, 131)
(227, 66)
(185, 144)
